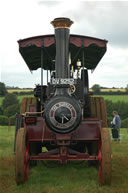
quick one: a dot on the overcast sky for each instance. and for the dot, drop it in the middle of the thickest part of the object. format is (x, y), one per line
(108, 20)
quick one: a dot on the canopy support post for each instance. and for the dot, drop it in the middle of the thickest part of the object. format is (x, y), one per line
(83, 70)
(42, 73)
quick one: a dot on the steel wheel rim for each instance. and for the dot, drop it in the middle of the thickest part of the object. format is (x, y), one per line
(100, 165)
(22, 156)
(26, 161)
(104, 157)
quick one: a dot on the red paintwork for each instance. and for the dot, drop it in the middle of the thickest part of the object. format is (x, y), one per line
(100, 163)
(45, 156)
(87, 130)
(49, 40)
(26, 161)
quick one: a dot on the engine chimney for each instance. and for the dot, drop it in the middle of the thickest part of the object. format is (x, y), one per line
(62, 26)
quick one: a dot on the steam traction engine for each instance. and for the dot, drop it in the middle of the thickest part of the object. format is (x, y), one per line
(62, 117)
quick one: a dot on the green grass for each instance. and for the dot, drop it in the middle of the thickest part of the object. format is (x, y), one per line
(1, 99)
(20, 97)
(72, 178)
(19, 90)
(23, 96)
(115, 98)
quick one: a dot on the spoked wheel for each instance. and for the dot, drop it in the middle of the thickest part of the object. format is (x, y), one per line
(22, 156)
(98, 109)
(104, 157)
(19, 124)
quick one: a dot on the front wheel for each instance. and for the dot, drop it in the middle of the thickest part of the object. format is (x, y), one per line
(22, 156)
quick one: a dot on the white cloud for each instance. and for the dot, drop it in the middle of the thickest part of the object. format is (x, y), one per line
(106, 19)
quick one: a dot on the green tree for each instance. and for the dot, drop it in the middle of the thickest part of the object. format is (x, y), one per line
(12, 110)
(1, 111)
(10, 99)
(13, 120)
(3, 120)
(3, 90)
(96, 88)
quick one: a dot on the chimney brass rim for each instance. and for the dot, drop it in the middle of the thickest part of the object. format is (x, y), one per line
(61, 22)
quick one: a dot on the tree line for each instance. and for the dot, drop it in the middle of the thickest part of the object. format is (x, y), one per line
(96, 88)
(4, 90)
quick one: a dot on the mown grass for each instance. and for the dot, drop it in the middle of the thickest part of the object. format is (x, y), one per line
(72, 178)
(114, 98)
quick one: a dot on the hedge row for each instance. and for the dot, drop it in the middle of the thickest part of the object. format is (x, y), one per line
(124, 122)
(111, 93)
(4, 120)
(23, 93)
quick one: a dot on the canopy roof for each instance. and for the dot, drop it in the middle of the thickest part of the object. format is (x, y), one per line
(30, 49)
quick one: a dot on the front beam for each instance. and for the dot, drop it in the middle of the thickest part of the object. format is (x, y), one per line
(58, 157)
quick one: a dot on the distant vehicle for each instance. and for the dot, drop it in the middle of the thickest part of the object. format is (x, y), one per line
(63, 117)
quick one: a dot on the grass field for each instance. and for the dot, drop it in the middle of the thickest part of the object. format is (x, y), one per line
(111, 89)
(72, 178)
(102, 90)
(20, 97)
(113, 98)
(19, 90)
(23, 96)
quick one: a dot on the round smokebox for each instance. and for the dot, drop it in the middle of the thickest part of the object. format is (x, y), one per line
(62, 114)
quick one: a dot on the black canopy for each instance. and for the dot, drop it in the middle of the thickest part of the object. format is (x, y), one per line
(30, 49)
